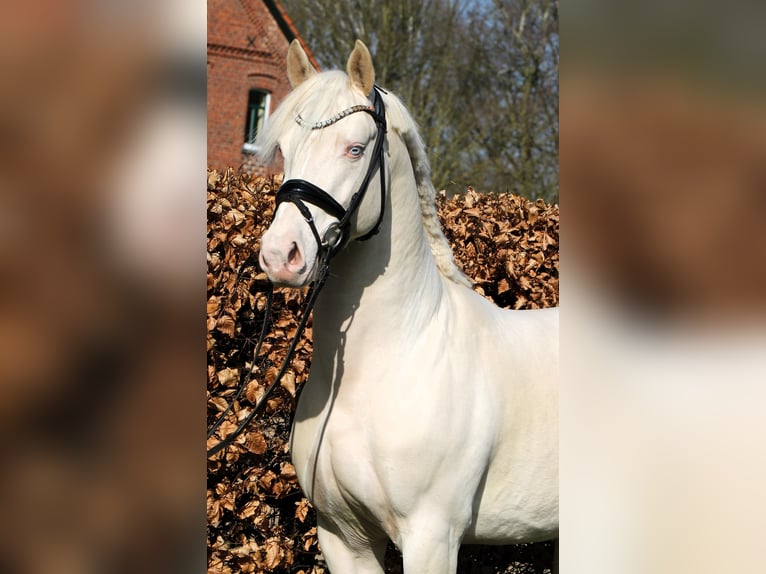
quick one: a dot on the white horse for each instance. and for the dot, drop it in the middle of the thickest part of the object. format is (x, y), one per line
(430, 416)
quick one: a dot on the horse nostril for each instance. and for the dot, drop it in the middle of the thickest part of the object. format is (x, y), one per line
(294, 258)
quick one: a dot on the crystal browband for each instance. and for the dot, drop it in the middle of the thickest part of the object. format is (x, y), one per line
(337, 117)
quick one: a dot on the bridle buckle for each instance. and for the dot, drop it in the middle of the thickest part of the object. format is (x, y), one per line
(333, 237)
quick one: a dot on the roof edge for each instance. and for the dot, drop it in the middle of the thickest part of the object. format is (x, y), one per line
(288, 28)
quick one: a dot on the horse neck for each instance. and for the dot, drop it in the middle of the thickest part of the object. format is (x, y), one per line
(391, 280)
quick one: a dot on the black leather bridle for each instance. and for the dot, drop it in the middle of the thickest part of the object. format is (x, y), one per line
(299, 191)
(336, 236)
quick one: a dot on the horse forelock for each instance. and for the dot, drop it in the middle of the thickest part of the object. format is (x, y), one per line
(326, 94)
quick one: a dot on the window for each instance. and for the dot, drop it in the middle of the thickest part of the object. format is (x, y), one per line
(257, 111)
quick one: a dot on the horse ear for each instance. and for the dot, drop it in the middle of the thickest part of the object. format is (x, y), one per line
(360, 68)
(299, 68)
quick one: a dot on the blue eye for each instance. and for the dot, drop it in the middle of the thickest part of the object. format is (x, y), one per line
(355, 151)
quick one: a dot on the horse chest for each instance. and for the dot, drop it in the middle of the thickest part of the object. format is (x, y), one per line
(336, 466)
(369, 459)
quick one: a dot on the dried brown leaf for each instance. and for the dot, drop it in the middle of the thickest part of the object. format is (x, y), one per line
(254, 391)
(255, 442)
(228, 376)
(302, 510)
(225, 325)
(288, 382)
(274, 554)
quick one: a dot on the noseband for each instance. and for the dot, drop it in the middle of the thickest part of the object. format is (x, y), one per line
(299, 191)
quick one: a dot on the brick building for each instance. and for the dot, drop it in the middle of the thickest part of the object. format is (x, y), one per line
(246, 75)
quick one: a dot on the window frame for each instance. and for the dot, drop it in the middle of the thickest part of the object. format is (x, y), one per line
(250, 147)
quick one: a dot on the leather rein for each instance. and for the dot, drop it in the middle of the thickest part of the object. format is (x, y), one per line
(336, 236)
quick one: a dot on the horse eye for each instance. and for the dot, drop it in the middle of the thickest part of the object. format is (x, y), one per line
(355, 151)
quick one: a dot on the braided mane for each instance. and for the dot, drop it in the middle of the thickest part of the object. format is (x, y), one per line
(400, 120)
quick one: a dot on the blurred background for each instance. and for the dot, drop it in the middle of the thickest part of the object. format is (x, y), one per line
(663, 286)
(102, 203)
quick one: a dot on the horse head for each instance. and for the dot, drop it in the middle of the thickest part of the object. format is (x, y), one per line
(330, 153)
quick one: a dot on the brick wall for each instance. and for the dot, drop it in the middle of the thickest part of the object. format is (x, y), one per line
(246, 50)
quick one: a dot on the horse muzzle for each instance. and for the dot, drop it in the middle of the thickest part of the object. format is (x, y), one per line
(285, 260)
